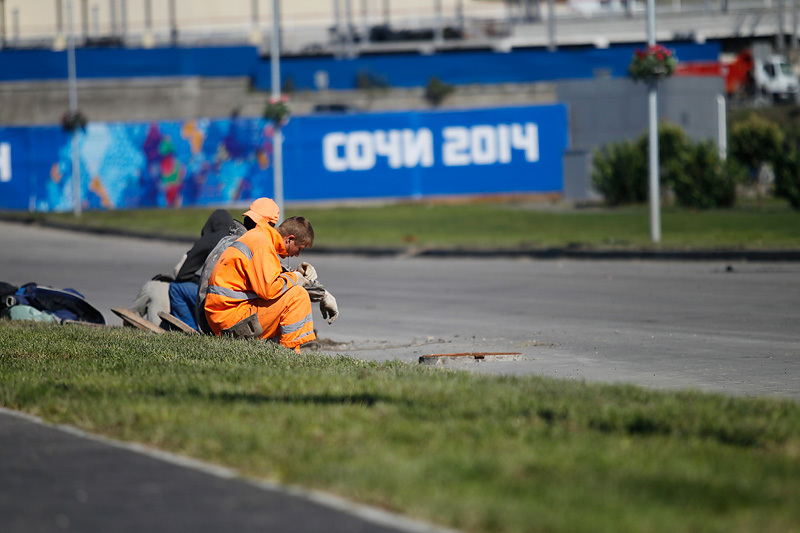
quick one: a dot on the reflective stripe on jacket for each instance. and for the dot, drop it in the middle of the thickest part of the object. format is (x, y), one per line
(247, 271)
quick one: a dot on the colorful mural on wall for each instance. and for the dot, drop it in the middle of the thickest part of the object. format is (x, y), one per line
(166, 164)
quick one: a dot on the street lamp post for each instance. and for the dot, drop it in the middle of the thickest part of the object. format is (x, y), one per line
(652, 101)
(277, 141)
(73, 109)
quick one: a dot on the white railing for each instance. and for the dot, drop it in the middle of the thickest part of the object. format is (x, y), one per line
(324, 31)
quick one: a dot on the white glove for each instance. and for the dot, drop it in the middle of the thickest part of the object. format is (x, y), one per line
(315, 291)
(301, 280)
(307, 271)
(328, 307)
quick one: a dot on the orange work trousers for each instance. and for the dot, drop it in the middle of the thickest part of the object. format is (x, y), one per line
(287, 318)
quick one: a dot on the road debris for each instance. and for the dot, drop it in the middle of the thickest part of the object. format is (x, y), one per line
(442, 358)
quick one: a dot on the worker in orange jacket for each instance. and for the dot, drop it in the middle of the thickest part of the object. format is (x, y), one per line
(251, 295)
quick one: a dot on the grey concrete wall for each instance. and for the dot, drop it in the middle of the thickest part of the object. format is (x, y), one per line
(604, 110)
(608, 110)
(138, 99)
(184, 98)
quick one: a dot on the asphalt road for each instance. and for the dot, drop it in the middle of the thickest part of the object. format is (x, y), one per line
(56, 480)
(715, 326)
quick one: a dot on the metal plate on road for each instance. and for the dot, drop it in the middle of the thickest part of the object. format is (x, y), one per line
(442, 358)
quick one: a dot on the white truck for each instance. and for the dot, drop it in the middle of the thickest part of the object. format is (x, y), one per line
(773, 76)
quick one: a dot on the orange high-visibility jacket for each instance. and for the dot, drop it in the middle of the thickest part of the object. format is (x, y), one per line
(248, 279)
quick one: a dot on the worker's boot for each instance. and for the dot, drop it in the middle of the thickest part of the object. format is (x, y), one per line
(247, 328)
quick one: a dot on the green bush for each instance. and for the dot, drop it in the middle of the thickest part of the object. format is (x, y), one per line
(620, 173)
(755, 141)
(436, 91)
(700, 179)
(785, 117)
(367, 79)
(694, 171)
(672, 143)
(787, 176)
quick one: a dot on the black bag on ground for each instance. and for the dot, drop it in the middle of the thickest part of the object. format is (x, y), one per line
(66, 304)
(7, 292)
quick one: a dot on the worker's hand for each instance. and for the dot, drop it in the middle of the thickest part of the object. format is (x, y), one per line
(329, 308)
(315, 291)
(301, 279)
(308, 271)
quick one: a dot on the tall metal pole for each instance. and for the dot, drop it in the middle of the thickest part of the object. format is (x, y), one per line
(123, 20)
(112, 9)
(173, 23)
(348, 18)
(364, 22)
(551, 25)
(337, 26)
(2, 23)
(59, 18)
(255, 32)
(277, 141)
(722, 127)
(147, 39)
(438, 31)
(85, 20)
(652, 100)
(73, 108)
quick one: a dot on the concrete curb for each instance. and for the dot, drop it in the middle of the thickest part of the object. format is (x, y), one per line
(567, 252)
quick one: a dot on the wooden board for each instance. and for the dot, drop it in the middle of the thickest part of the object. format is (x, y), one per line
(176, 322)
(129, 318)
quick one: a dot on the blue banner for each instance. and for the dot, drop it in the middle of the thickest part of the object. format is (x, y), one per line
(471, 67)
(222, 162)
(112, 62)
(428, 153)
(395, 70)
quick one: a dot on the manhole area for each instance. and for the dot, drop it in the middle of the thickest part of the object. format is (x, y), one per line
(468, 357)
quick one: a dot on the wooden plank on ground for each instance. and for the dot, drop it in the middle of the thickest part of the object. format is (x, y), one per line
(176, 322)
(129, 318)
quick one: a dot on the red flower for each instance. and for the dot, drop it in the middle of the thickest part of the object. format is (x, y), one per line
(283, 98)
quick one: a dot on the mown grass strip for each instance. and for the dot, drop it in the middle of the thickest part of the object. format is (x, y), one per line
(765, 225)
(474, 452)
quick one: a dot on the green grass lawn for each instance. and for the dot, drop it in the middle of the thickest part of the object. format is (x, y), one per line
(508, 224)
(481, 453)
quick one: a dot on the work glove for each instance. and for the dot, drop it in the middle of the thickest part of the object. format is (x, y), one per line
(301, 279)
(308, 271)
(328, 307)
(315, 291)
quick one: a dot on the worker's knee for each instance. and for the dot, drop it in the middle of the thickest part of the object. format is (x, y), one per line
(297, 296)
(297, 325)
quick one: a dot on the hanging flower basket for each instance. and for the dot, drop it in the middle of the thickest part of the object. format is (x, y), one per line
(73, 121)
(652, 64)
(277, 111)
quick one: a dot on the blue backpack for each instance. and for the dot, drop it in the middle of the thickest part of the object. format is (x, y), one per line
(64, 304)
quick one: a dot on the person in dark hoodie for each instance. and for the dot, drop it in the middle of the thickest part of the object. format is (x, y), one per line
(183, 290)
